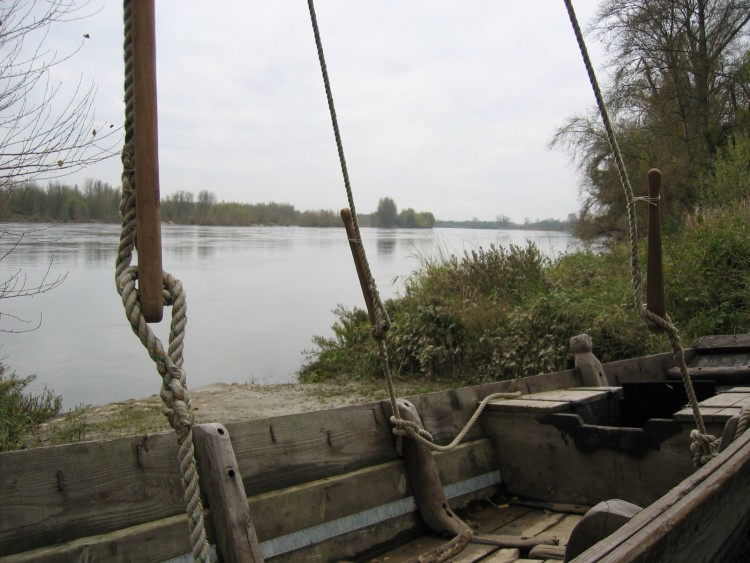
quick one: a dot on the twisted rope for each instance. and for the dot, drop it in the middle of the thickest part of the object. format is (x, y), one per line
(174, 395)
(647, 316)
(447, 551)
(706, 447)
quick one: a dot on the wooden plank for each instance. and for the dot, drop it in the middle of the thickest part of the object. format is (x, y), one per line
(277, 513)
(221, 483)
(527, 404)
(691, 523)
(503, 556)
(540, 461)
(424, 544)
(283, 451)
(722, 375)
(726, 400)
(489, 519)
(531, 524)
(556, 552)
(709, 414)
(649, 368)
(59, 493)
(150, 542)
(721, 343)
(575, 395)
(561, 530)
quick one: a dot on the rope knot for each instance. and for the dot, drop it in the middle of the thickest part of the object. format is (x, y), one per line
(409, 429)
(704, 447)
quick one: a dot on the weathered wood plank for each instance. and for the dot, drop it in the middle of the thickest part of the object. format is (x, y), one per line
(538, 460)
(722, 343)
(505, 555)
(283, 451)
(648, 368)
(488, 520)
(424, 544)
(221, 483)
(527, 404)
(277, 513)
(693, 522)
(56, 494)
(533, 523)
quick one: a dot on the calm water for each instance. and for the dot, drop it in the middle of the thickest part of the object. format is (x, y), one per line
(255, 295)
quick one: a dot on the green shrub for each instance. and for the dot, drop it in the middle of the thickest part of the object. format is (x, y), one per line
(19, 410)
(506, 313)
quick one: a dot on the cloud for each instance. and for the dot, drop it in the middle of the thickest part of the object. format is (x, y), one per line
(444, 106)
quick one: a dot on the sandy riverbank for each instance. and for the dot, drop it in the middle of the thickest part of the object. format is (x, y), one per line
(220, 402)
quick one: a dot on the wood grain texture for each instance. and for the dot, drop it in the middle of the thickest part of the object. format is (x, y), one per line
(540, 461)
(221, 483)
(701, 519)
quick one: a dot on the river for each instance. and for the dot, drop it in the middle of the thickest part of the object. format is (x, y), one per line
(255, 298)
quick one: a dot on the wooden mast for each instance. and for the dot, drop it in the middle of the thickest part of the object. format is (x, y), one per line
(148, 233)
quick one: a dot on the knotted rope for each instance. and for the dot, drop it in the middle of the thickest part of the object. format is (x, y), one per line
(704, 445)
(174, 395)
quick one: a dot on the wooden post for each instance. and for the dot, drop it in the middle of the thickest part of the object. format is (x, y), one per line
(655, 301)
(221, 482)
(425, 481)
(346, 217)
(148, 229)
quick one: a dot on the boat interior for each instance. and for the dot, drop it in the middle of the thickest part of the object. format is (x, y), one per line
(329, 486)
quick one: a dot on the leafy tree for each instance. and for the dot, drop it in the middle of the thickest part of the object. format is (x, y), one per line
(680, 91)
(387, 213)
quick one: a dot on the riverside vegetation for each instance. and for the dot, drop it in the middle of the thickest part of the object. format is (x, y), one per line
(502, 313)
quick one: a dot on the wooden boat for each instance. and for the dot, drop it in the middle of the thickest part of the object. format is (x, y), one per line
(329, 486)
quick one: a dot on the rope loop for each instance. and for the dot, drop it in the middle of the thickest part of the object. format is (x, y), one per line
(402, 427)
(704, 447)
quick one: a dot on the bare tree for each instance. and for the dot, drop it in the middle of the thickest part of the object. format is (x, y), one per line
(43, 134)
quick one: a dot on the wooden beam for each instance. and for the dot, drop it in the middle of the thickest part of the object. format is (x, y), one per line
(148, 229)
(221, 482)
(425, 481)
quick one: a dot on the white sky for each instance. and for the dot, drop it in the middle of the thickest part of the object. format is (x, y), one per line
(445, 106)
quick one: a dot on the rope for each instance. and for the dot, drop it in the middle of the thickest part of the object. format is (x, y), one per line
(705, 448)
(174, 395)
(446, 551)
(381, 322)
(647, 316)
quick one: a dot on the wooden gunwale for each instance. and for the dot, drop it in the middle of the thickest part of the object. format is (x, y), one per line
(693, 522)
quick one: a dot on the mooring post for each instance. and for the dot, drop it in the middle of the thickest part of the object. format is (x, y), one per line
(425, 481)
(221, 483)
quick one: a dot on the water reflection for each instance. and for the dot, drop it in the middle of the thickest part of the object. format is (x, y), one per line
(270, 289)
(386, 241)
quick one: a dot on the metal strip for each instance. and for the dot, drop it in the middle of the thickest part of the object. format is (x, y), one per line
(353, 522)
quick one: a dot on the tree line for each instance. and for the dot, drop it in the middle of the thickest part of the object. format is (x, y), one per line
(99, 202)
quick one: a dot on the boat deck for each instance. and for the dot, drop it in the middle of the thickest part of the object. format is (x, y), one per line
(505, 532)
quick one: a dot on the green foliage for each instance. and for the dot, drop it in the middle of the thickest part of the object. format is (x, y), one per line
(20, 410)
(97, 202)
(505, 313)
(678, 94)
(729, 182)
(387, 213)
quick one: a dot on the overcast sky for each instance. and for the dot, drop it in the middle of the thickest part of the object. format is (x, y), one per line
(444, 106)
